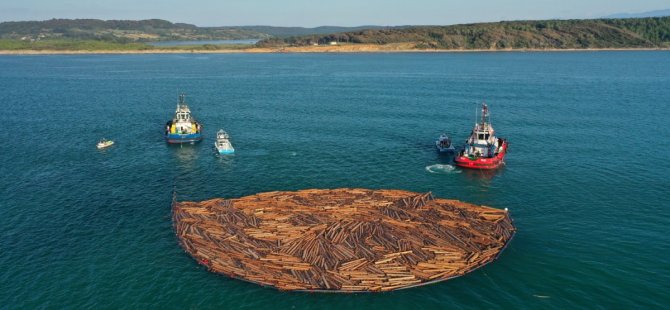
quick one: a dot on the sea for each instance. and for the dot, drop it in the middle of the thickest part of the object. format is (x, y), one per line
(586, 180)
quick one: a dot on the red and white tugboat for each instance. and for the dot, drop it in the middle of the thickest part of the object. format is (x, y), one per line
(483, 150)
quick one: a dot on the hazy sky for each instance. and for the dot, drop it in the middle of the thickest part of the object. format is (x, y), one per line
(310, 13)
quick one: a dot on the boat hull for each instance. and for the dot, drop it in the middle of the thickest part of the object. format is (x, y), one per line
(444, 144)
(482, 163)
(104, 146)
(441, 149)
(179, 138)
(222, 150)
(226, 152)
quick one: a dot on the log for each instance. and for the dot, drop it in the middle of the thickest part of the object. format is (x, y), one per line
(342, 240)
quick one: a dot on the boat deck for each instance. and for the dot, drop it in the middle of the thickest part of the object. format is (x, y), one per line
(341, 240)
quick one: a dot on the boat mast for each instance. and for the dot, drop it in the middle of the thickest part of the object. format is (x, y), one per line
(181, 98)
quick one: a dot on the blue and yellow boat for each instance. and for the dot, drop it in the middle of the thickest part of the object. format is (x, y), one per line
(183, 128)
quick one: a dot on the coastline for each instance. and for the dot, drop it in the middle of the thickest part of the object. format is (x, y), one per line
(359, 48)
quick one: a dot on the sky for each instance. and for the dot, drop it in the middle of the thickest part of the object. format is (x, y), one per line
(311, 13)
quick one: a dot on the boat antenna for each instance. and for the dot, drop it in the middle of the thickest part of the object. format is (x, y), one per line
(181, 98)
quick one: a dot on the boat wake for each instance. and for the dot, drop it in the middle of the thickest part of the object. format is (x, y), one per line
(442, 169)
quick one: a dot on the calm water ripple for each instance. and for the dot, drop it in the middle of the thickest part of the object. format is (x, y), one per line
(586, 177)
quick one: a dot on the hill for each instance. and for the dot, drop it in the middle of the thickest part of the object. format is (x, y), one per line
(121, 31)
(124, 31)
(657, 13)
(128, 36)
(543, 34)
(300, 31)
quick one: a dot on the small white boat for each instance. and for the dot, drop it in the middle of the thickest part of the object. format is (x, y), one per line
(222, 143)
(444, 144)
(104, 143)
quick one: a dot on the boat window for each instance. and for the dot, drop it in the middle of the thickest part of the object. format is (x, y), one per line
(486, 136)
(481, 136)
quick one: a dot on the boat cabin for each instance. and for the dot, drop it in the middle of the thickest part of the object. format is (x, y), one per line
(183, 114)
(183, 122)
(482, 141)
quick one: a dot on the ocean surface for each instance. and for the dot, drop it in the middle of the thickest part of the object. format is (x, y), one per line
(587, 178)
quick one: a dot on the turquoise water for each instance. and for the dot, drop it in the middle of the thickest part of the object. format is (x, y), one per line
(586, 179)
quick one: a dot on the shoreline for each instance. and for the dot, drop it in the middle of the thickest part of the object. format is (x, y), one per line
(367, 48)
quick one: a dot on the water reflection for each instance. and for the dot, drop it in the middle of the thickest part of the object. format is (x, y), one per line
(225, 161)
(186, 155)
(484, 177)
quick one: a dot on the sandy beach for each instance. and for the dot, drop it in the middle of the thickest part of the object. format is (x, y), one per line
(348, 48)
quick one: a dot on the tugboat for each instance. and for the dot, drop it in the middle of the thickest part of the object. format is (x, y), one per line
(222, 143)
(444, 145)
(483, 150)
(104, 143)
(183, 128)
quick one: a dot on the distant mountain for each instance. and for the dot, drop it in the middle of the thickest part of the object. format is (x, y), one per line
(657, 13)
(124, 31)
(299, 31)
(540, 34)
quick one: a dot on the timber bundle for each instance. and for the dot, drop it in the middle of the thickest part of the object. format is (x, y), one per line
(342, 240)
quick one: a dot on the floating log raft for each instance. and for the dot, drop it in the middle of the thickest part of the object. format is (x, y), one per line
(341, 240)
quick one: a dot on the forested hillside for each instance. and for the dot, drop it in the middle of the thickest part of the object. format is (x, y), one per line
(124, 31)
(560, 34)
